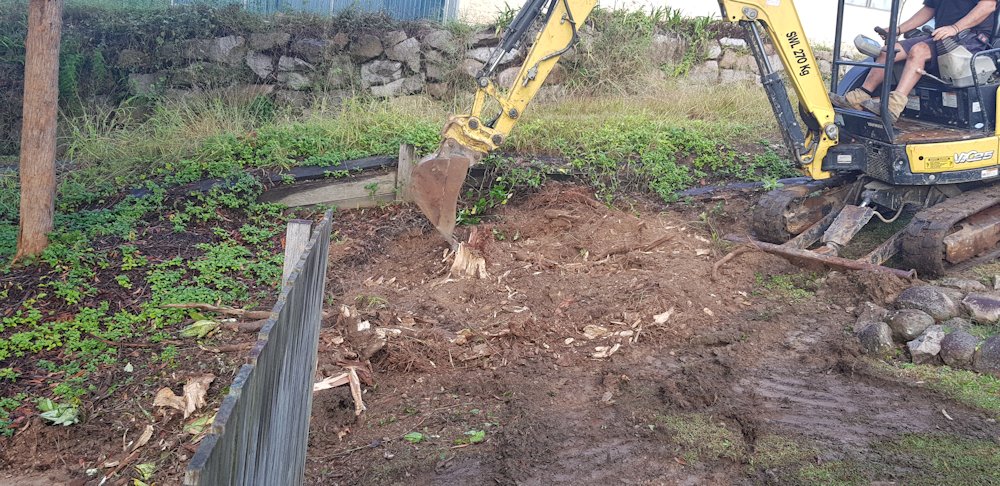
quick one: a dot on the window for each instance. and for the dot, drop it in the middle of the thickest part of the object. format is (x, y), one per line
(876, 4)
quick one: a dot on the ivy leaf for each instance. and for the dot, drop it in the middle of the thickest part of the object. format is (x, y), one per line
(145, 470)
(46, 405)
(199, 329)
(476, 436)
(58, 414)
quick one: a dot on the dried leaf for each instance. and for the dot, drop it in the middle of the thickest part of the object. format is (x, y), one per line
(194, 393)
(602, 352)
(144, 438)
(593, 331)
(166, 398)
(199, 425)
(664, 317)
(193, 399)
(463, 337)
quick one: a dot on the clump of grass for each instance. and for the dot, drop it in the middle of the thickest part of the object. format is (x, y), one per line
(945, 459)
(703, 439)
(973, 389)
(775, 451)
(790, 287)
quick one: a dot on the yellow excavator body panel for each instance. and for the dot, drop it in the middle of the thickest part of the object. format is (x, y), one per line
(936, 158)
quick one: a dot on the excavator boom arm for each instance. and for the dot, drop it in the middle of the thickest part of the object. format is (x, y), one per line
(437, 180)
(779, 20)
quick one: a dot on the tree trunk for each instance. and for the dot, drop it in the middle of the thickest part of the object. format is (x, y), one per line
(38, 132)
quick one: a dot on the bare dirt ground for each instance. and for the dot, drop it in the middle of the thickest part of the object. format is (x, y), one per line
(750, 379)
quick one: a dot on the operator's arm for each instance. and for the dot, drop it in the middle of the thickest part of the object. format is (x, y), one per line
(976, 16)
(924, 15)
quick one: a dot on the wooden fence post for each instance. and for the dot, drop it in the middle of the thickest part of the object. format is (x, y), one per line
(404, 171)
(296, 238)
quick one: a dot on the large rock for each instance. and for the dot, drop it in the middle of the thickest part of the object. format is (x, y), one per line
(294, 81)
(366, 47)
(708, 72)
(485, 37)
(558, 75)
(340, 40)
(876, 338)
(392, 38)
(205, 75)
(227, 50)
(987, 358)
(341, 72)
(666, 49)
(908, 324)
(287, 63)
(822, 55)
(733, 43)
(437, 91)
(729, 76)
(400, 87)
(381, 72)
(314, 50)
(144, 84)
(506, 77)
(482, 54)
(739, 62)
(925, 349)
(825, 67)
(954, 294)
(132, 58)
(956, 323)
(958, 349)
(470, 67)
(930, 300)
(963, 284)
(441, 40)
(983, 308)
(261, 64)
(263, 41)
(713, 50)
(437, 71)
(407, 52)
(868, 313)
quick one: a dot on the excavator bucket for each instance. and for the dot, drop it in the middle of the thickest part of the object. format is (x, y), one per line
(437, 181)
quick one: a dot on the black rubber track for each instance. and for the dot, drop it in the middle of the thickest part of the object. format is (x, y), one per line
(768, 219)
(923, 239)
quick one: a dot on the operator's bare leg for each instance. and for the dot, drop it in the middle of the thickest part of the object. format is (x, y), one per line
(915, 62)
(854, 98)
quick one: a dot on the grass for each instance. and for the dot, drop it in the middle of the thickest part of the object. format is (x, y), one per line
(774, 451)
(972, 389)
(945, 459)
(788, 287)
(701, 438)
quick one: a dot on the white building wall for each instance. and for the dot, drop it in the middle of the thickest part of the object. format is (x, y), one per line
(818, 16)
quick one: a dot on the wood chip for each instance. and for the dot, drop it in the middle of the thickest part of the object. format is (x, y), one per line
(331, 382)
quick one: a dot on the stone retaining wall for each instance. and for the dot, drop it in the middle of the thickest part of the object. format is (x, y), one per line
(388, 61)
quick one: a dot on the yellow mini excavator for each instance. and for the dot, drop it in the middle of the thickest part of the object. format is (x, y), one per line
(939, 160)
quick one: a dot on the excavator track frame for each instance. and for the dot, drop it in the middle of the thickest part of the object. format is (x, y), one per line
(924, 245)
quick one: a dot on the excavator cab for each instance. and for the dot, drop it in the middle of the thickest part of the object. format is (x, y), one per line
(954, 101)
(936, 167)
